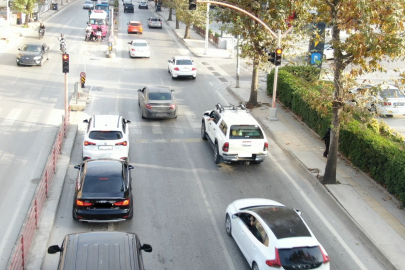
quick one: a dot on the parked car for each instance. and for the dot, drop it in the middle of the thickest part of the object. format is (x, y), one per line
(387, 100)
(234, 135)
(101, 250)
(103, 191)
(106, 136)
(88, 5)
(128, 7)
(143, 4)
(139, 48)
(182, 66)
(32, 54)
(157, 102)
(273, 236)
(154, 22)
(135, 27)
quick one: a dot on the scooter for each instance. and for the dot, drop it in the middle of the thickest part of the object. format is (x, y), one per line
(41, 33)
(99, 36)
(88, 35)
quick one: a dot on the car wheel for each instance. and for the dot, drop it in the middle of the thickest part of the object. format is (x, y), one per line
(74, 215)
(128, 32)
(18, 64)
(217, 157)
(257, 162)
(173, 78)
(168, 70)
(143, 117)
(203, 133)
(228, 225)
(41, 62)
(255, 267)
(194, 77)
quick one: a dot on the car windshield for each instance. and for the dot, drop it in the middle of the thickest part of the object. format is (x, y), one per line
(139, 44)
(97, 21)
(105, 8)
(105, 135)
(246, 131)
(89, 2)
(391, 93)
(134, 24)
(184, 62)
(160, 96)
(301, 257)
(104, 178)
(31, 48)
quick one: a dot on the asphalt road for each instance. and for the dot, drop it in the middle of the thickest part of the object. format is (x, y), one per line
(180, 195)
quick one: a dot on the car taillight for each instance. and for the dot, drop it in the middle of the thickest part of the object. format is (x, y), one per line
(148, 106)
(172, 106)
(194, 68)
(387, 103)
(225, 147)
(133, 49)
(266, 146)
(141, 29)
(124, 143)
(276, 262)
(324, 256)
(126, 202)
(176, 68)
(88, 143)
(82, 203)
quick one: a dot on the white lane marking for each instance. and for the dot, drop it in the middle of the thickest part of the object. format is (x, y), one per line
(32, 118)
(156, 129)
(11, 117)
(319, 214)
(193, 121)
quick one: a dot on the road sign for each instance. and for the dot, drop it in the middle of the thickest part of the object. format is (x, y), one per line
(82, 78)
(111, 39)
(82, 74)
(315, 57)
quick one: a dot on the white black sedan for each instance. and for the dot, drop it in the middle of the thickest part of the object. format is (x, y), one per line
(272, 236)
(32, 54)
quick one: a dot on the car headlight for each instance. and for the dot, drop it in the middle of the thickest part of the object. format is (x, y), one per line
(37, 58)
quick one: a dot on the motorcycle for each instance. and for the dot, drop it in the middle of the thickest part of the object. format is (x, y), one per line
(41, 33)
(88, 35)
(99, 36)
(63, 46)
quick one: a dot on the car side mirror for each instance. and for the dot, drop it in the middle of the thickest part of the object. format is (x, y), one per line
(169, 61)
(130, 167)
(234, 216)
(54, 249)
(86, 121)
(146, 248)
(298, 212)
(127, 121)
(206, 114)
(77, 167)
(139, 90)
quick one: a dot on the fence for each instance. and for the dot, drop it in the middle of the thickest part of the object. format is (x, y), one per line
(22, 247)
(201, 31)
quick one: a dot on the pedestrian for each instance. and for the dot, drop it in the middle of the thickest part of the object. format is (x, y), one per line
(326, 138)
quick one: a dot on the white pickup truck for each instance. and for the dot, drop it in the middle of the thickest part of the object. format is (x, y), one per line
(234, 134)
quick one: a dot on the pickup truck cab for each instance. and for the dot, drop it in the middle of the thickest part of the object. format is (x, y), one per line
(234, 134)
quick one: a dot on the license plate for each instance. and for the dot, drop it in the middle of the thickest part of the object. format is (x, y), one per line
(105, 147)
(161, 114)
(244, 155)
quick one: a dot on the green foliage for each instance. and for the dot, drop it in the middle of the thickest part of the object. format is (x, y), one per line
(370, 145)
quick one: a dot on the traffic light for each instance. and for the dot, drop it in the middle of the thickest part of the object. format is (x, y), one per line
(279, 51)
(65, 63)
(272, 57)
(192, 4)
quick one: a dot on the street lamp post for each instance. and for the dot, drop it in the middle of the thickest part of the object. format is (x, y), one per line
(207, 25)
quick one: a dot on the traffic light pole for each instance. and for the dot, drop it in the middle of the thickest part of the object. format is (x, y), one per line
(273, 109)
(66, 96)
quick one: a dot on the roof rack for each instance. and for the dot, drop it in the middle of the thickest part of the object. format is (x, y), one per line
(221, 108)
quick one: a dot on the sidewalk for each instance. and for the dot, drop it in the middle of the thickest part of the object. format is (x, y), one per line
(366, 206)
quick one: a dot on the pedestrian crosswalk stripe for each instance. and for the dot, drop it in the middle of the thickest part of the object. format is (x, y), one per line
(11, 117)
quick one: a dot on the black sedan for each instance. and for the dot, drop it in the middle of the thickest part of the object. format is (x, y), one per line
(33, 54)
(103, 191)
(157, 102)
(128, 7)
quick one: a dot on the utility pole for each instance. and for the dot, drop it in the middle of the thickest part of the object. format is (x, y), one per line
(207, 26)
(273, 109)
(237, 63)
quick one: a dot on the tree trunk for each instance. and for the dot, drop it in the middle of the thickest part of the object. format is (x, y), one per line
(253, 89)
(177, 23)
(187, 32)
(170, 15)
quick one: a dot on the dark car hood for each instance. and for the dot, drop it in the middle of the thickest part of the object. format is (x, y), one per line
(29, 54)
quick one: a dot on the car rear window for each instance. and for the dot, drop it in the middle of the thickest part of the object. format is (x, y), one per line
(105, 135)
(139, 44)
(184, 62)
(155, 20)
(391, 93)
(246, 131)
(104, 179)
(135, 24)
(160, 96)
(301, 257)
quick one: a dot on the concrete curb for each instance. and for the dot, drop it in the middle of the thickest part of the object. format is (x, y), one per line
(326, 194)
(47, 219)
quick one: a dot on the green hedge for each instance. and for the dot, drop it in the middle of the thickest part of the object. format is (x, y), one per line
(381, 157)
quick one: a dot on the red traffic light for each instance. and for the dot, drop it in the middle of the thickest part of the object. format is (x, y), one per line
(65, 57)
(279, 51)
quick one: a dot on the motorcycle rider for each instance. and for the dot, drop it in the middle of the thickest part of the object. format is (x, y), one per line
(89, 29)
(42, 27)
(62, 40)
(99, 30)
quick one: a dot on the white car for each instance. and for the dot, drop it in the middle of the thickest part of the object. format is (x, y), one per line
(272, 236)
(139, 48)
(106, 136)
(88, 4)
(143, 4)
(155, 22)
(388, 101)
(234, 135)
(328, 51)
(181, 66)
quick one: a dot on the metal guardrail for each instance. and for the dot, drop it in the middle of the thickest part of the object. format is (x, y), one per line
(19, 257)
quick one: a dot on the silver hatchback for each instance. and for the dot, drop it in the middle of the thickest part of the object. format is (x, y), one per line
(155, 23)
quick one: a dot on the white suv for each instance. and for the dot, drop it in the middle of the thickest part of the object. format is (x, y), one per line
(107, 136)
(234, 134)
